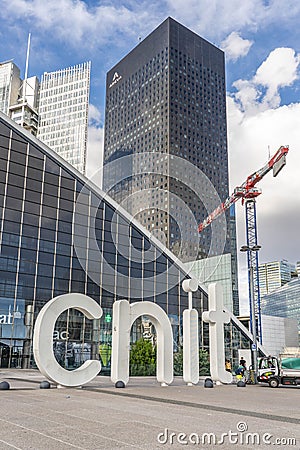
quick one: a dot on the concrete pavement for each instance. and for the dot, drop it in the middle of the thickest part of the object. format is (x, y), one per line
(145, 415)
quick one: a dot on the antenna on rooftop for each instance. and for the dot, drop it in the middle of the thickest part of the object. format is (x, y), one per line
(26, 67)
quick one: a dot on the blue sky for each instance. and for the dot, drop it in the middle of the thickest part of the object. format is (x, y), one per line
(261, 40)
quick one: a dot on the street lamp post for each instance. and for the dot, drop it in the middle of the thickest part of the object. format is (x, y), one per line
(255, 248)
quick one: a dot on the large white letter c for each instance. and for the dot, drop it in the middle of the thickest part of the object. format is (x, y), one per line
(43, 340)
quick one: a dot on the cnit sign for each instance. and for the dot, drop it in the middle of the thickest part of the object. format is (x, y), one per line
(124, 315)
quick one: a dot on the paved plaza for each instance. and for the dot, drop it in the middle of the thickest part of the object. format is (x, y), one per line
(145, 415)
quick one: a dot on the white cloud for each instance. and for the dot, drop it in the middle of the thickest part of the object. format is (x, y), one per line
(235, 46)
(280, 69)
(74, 22)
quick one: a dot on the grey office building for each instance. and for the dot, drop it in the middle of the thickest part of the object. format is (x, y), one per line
(167, 97)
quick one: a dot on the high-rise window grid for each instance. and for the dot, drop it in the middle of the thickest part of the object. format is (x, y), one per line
(170, 98)
(63, 113)
(56, 110)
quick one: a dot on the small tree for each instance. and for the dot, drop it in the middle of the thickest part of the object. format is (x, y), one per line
(178, 363)
(204, 367)
(142, 358)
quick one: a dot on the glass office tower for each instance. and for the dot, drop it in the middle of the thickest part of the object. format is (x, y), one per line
(167, 97)
(63, 112)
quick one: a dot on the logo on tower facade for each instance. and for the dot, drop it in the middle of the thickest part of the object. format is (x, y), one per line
(116, 78)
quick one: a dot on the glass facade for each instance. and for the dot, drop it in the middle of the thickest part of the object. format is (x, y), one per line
(223, 269)
(284, 302)
(60, 233)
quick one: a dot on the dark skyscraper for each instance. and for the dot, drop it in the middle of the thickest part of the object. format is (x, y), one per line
(166, 112)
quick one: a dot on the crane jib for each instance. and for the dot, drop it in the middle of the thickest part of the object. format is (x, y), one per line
(247, 190)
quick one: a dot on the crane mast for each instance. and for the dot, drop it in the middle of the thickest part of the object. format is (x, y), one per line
(248, 192)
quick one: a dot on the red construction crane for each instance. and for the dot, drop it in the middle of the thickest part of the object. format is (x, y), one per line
(248, 190)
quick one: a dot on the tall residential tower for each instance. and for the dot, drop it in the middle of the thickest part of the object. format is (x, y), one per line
(63, 113)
